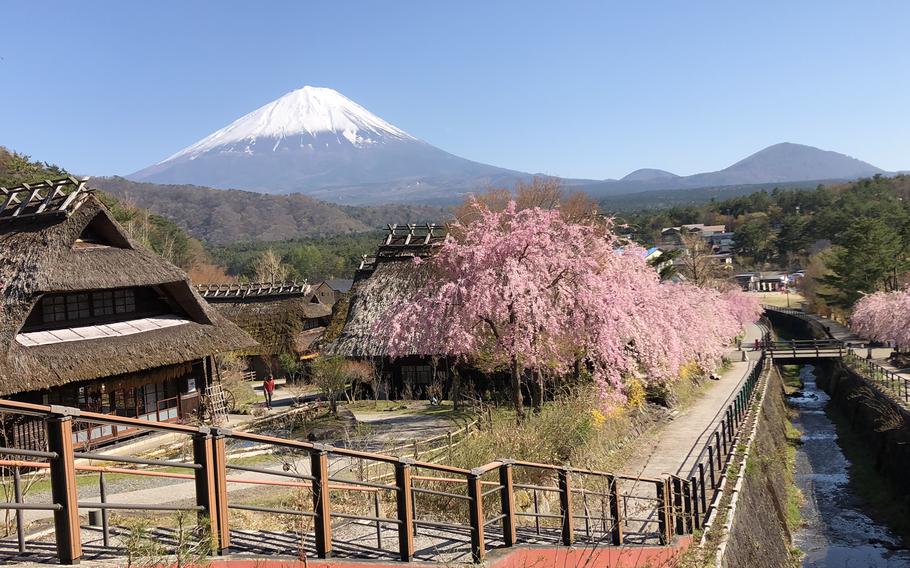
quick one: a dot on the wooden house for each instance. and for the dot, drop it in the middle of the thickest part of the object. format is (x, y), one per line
(92, 320)
(381, 281)
(330, 291)
(285, 319)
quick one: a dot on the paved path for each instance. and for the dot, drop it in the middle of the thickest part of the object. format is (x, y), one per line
(679, 443)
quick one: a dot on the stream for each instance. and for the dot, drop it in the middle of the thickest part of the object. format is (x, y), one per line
(835, 532)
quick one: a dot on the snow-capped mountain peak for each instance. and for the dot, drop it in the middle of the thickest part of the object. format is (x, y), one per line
(296, 119)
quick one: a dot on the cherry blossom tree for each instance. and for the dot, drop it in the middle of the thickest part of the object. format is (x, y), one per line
(531, 291)
(884, 316)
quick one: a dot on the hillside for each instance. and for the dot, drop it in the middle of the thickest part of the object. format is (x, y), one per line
(221, 217)
(150, 230)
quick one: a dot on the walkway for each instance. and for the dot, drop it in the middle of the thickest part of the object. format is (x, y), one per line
(678, 445)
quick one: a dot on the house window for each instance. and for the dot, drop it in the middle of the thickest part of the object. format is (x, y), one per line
(102, 303)
(124, 301)
(417, 374)
(311, 323)
(77, 306)
(54, 309)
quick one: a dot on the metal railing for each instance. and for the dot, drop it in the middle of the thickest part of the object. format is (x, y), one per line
(483, 507)
(711, 463)
(887, 381)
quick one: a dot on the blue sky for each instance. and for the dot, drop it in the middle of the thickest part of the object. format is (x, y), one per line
(576, 89)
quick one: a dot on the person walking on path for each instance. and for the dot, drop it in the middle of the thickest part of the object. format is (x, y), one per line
(268, 387)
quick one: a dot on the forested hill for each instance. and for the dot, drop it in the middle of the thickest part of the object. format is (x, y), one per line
(852, 239)
(221, 217)
(152, 231)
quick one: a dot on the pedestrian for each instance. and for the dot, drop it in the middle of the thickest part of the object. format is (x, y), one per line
(756, 345)
(268, 387)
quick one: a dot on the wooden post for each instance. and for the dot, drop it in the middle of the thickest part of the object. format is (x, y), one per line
(615, 514)
(475, 493)
(20, 516)
(565, 506)
(507, 497)
(220, 508)
(405, 510)
(204, 455)
(63, 489)
(319, 466)
(663, 511)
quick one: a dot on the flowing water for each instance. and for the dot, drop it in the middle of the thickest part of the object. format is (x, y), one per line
(835, 532)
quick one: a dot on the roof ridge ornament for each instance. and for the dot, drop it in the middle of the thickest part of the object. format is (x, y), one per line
(60, 196)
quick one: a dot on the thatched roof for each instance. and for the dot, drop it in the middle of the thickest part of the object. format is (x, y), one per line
(43, 253)
(234, 291)
(276, 321)
(390, 277)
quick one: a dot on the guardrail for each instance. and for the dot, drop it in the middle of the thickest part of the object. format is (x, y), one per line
(888, 382)
(483, 507)
(711, 463)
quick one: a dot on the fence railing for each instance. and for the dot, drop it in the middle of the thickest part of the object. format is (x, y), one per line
(716, 454)
(499, 504)
(889, 382)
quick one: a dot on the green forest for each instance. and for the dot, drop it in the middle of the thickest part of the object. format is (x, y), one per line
(851, 239)
(312, 259)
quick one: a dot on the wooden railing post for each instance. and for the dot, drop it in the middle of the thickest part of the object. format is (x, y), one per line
(405, 509)
(319, 466)
(475, 493)
(565, 506)
(63, 486)
(507, 497)
(204, 456)
(663, 511)
(219, 476)
(615, 511)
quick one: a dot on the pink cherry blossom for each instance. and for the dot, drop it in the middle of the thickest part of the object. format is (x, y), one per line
(884, 316)
(528, 291)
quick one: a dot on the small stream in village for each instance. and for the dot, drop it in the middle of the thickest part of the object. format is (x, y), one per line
(836, 533)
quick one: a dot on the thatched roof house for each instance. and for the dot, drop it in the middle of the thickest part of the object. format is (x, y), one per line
(284, 318)
(82, 301)
(381, 282)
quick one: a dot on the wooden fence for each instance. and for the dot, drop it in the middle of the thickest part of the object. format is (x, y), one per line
(487, 506)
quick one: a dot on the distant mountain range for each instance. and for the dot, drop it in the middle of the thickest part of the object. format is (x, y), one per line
(317, 142)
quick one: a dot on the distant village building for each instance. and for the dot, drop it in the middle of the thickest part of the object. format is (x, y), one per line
(285, 319)
(92, 320)
(381, 282)
(673, 235)
(762, 281)
(330, 291)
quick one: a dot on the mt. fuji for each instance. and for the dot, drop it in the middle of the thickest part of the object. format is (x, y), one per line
(318, 142)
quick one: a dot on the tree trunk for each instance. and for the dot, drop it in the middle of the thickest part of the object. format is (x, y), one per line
(455, 393)
(517, 396)
(538, 391)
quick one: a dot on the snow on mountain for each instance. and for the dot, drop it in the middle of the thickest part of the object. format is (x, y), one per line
(318, 142)
(296, 118)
